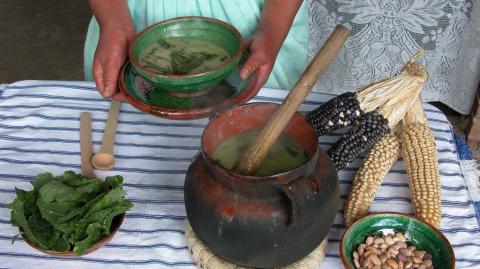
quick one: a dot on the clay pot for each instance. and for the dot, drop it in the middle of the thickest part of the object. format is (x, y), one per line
(261, 222)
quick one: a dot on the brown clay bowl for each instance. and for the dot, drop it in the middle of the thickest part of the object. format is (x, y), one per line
(222, 96)
(116, 223)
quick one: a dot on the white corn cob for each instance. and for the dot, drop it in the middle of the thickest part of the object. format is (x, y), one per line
(369, 177)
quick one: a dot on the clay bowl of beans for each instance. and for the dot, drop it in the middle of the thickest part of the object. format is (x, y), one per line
(397, 241)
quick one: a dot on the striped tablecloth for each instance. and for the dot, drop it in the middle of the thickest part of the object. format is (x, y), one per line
(39, 131)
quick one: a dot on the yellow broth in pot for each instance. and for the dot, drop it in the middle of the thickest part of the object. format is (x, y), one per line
(287, 153)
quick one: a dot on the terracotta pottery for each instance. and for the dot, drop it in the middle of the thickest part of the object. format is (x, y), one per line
(261, 222)
(230, 92)
(116, 223)
(211, 30)
(417, 232)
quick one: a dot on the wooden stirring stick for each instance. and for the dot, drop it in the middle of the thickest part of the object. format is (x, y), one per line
(257, 151)
(86, 144)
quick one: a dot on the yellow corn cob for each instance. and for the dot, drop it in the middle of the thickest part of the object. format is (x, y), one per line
(369, 177)
(420, 156)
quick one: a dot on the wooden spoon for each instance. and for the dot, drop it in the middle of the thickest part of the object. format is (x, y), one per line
(282, 115)
(104, 160)
(86, 144)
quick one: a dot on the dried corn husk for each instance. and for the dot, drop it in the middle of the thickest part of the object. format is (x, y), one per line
(395, 96)
(415, 114)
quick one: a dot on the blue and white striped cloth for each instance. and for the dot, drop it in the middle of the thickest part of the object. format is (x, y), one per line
(39, 131)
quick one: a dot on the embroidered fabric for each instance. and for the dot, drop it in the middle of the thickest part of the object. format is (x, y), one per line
(386, 33)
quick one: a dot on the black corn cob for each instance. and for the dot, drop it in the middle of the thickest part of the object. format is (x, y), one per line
(364, 134)
(337, 113)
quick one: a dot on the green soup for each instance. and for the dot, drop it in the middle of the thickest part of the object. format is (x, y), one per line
(181, 56)
(287, 153)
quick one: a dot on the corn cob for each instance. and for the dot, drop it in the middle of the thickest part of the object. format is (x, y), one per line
(363, 135)
(369, 177)
(337, 113)
(388, 100)
(392, 97)
(420, 155)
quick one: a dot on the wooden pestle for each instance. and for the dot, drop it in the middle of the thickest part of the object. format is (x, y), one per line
(86, 144)
(257, 151)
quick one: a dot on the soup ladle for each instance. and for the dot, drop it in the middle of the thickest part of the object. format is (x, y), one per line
(104, 159)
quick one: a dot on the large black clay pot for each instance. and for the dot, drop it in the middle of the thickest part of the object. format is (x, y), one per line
(261, 222)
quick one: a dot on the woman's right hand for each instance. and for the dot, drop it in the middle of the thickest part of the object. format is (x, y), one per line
(110, 55)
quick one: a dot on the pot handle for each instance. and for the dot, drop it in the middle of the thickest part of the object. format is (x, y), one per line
(299, 193)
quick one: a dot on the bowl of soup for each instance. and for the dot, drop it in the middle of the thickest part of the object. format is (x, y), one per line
(187, 55)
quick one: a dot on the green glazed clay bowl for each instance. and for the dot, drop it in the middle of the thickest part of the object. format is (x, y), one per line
(422, 235)
(210, 30)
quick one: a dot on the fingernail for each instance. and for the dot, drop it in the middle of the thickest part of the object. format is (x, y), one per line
(107, 91)
(244, 74)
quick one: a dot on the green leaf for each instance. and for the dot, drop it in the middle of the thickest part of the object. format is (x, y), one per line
(82, 193)
(113, 182)
(59, 202)
(103, 217)
(80, 211)
(18, 218)
(52, 212)
(60, 243)
(28, 198)
(164, 44)
(95, 232)
(115, 196)
(69, 210)
(40, 227)
(76, 180)
(184, 63)
(41, 180)
(54, 190)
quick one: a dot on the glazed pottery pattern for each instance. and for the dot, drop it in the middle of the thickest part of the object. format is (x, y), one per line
(230, 92)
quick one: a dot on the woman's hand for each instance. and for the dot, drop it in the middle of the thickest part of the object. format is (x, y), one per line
(262, 58)
(116, 34)
(111, 53)
(275, 21)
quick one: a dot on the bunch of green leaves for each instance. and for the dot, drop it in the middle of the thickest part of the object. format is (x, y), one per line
(68, 212)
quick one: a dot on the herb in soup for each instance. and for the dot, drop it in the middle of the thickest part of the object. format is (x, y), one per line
(287, 153)
(181, 56)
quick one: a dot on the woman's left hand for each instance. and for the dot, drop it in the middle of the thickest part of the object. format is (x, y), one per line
(262, 58)
(275, 22)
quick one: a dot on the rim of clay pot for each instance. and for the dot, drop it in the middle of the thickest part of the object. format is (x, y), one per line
(252, 178)
(249, 91)
(116, 223)
(228, 26)
(386, 214)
